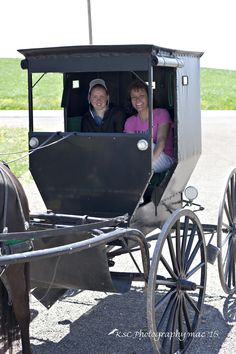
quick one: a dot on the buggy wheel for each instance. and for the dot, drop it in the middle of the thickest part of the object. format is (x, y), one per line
(226, 236)
(176, 284)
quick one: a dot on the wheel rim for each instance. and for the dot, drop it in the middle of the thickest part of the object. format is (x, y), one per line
(177, 282)
(226, 236)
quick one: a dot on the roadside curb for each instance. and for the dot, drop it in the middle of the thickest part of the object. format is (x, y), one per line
(24, 113)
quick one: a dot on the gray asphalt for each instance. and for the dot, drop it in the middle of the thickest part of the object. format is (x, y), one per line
(81, 322)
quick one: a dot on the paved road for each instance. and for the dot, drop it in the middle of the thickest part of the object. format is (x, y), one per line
(81, 322)
(51, 120)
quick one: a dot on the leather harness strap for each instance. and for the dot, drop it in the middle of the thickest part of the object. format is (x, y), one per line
(5, 228)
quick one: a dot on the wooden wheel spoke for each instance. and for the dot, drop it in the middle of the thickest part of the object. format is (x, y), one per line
(192, 303)
(170, 321)
(191, 258)
(228, 215)
(186, 317)
(177, 245)
(233, 266)
(230, 271)
(195, 269)
(227, 264)
(230, 204)
(174, 327)
(184, 239)
(226, 258)
(164, 299)
(180, 319)
(233, 193)
(189, 245)
(166, 313)
(168, 268)
(226, 239)
(172, 254)
(234, 279)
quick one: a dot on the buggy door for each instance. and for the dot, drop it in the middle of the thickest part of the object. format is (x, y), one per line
(96, 174)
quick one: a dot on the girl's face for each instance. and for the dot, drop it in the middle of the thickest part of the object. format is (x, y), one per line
(139, 99)
(98, 98)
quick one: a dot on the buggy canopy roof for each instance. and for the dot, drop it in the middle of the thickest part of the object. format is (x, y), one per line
(111, 57)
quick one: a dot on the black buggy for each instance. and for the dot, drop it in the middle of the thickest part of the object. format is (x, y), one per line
(104, 201)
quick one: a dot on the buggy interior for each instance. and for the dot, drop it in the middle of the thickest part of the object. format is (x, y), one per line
(75, 94)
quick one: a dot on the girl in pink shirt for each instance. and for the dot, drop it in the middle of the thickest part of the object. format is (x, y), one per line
(162, 126)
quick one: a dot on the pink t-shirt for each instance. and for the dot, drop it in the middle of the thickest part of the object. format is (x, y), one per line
(135, 125)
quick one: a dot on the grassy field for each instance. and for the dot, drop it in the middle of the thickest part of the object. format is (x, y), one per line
(218, 88)
(13, 88)
(14, 144)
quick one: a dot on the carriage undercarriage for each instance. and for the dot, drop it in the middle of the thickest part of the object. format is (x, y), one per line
(174, 276)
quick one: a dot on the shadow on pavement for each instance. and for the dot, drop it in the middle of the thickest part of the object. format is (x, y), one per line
(118, 323)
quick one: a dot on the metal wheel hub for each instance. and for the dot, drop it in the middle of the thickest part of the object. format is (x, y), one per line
(185, 285)
(234, 230)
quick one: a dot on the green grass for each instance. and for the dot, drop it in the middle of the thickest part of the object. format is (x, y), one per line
(14, 140)
(13, 88)
(218, 88)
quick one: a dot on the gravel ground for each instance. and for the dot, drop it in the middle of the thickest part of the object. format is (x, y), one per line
(81, 321)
